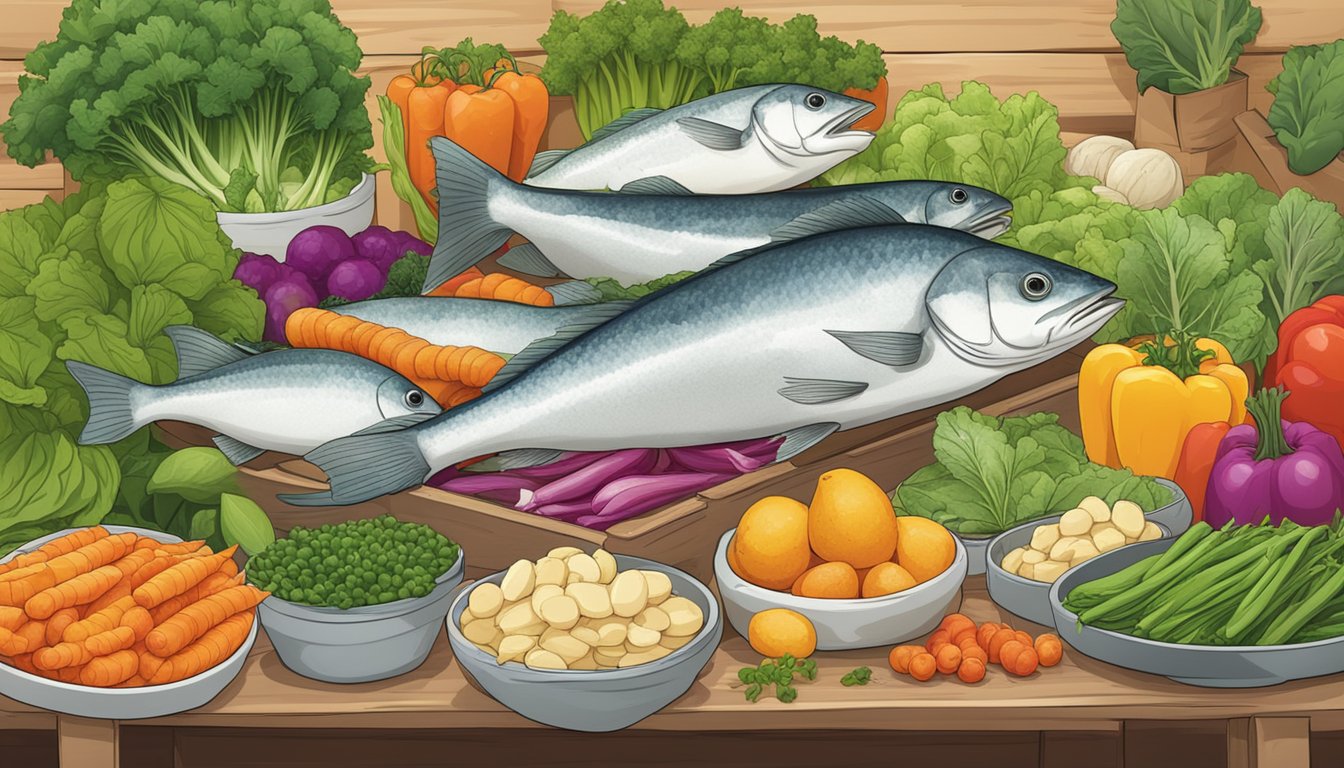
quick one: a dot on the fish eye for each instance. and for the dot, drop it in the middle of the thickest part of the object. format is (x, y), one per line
(815, 101)
(958, 195)
(414, 398)
(1035, 286)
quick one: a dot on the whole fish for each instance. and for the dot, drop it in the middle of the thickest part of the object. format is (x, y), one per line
(505, 327)
(754, 139)
(637, 238)
(826, 333)
(289, 400)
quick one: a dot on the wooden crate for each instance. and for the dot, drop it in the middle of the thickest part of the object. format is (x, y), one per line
(680, 534)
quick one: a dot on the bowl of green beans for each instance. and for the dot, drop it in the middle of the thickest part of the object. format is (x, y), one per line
(1237, 607)
(356, 601)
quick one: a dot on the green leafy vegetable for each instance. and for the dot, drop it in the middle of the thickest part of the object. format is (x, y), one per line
(1182, 46)
(198, 474)
(779, 673)
(394, 143)
(995, 473)
(251, 103)
(1305, 241)
(244, 523)
(1308, 110)
(857, 676)
(612, 290)
(82, 280)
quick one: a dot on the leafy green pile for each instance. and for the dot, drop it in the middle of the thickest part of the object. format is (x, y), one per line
(1308, 110)
(405, 277)
(1183, 47)
(251, 103)
(612, 290)
(635, 54)
(96, 278)
(992, 474)
(1247, 585)
(779, 673)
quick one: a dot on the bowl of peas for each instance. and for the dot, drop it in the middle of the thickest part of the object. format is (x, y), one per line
(356, 601)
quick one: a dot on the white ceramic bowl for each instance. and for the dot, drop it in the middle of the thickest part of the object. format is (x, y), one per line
(121, 703)
(844, 624)
(593, 700)
(270, 233)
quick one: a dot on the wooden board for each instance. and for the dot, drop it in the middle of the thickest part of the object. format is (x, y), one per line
(407, 26)
(999, 25)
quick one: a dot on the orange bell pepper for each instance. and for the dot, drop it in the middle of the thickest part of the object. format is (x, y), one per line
(1136, 406)
(480, 120)
(878, 96)
(532, 104)
(421, 96)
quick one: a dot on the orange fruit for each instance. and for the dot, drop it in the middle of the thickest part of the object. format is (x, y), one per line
(732, 557)
(885, 579)
(836, 580)
(777, 631)
(771, 543)
(851, 520)
(923, 547)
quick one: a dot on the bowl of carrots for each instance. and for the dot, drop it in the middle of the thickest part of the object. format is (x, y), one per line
(121, 622)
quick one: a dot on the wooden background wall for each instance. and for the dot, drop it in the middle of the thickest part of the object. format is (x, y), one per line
(1064, 50)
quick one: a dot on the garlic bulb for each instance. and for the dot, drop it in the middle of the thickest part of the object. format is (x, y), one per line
(1106, 193)
(1093, 156)
(1147, 178)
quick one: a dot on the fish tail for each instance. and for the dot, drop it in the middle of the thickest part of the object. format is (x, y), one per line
(467, 233)
(111, 416)
(365, 466)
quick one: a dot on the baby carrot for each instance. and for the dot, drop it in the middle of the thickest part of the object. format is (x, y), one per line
(139, 621)
(67, 543)
(84, 588)
(109, 670)
(11, 643)
(12, 617)
(180, 548)
(179, 578)
(212, 584)
(188, 624)
(58, 622)
(99, 621)
(64, 654)
(214, 646)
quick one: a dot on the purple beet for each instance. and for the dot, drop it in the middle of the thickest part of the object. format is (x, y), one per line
(355, 280)
(380, 245)
(257, 271)
(412, 244)
(317, 250)
(282, 298)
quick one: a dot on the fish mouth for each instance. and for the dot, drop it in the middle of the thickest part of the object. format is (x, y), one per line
(1087, 315)
(993, 223)
(840, 125)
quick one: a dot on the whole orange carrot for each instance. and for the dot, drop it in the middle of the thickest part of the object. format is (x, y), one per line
(179, 578)
(111, 669)
(214, 583)
(213, 647)
(12, 617)
(100, 621)
(65, 654)
(58, 623)
(11, 643)
(196, 619)
(84, 588)
(67, 543)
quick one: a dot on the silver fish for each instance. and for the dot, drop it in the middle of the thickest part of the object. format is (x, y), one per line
(831, 332)
(288, 400)
(756, 139)
(637, 238)
(504, 327)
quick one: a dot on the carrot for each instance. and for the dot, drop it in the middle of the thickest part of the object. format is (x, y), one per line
(923, 666)
(213, 647)
(214, 583)
(184, 627)
(972, 670)
(146, 572)
(134, 681)
(501, 287)
(109, 670)
(99, 621)
(449, 287)
(67, 674)
(58, 622)
(1008, 654)
(971, 650)
(463, 395)
(66, 654)
(12, 617)
(1024, 663)
(399, 91)
(182, 548)
(1049, 650)
(948, 658)
(179, 578)
(84, 588)
(67, 543)
(149, 664)
(139, 621)
(955, 622)
(900, 657)
(997, 641)
(12, 643)
(24, 661)
(937, 640)
(18, 590)
(984, 633)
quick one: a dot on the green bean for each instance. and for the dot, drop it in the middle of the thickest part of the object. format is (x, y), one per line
(1260, 596)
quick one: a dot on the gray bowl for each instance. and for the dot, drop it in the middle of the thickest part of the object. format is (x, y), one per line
(121, 703)
(1211, 666)
(593, 700)
(1021, 596)
(358, 645)
(1175, 516)
(844, 624)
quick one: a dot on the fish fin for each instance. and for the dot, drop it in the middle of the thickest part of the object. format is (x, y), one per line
(624, 121)
(573, 292)
(236, 451)
(396, 423)
(542, 161)
(711, 134)
(800, 439)
(528, 259)
(363, 467)
(111, 416)
(733, 258)
(820, 391)
(654, 185)
(467, 234)
(853, 212)
(200, 351)
(540, 349)
(894, 348)
(520, 458)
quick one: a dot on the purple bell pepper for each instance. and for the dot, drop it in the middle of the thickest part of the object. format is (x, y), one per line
(1283, 471)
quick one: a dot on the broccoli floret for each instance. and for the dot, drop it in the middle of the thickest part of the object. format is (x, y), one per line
(405, 277)
(728, 45)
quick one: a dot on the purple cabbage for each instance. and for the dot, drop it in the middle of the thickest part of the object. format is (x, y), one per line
(355, 280)
(257, 271)
(317, 250)
(282, 298)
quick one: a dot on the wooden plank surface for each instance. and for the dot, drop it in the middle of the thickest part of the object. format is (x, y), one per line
(998, 25)
(1279, 742)
(407, 26)
(1079, 694)
(88, 743)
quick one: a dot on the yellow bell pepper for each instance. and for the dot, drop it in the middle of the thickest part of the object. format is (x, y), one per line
(1136, 403)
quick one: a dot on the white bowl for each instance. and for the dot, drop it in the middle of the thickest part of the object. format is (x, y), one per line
(845, 624)
(121, 703)
(270, 233)
(593, 700)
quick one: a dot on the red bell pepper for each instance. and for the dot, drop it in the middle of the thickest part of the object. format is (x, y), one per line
(1196, 462)
(1309, 362)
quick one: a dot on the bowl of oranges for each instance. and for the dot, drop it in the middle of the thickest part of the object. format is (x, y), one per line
(861, 575)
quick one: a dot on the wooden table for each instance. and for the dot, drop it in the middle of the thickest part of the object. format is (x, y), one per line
(1266, 727)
